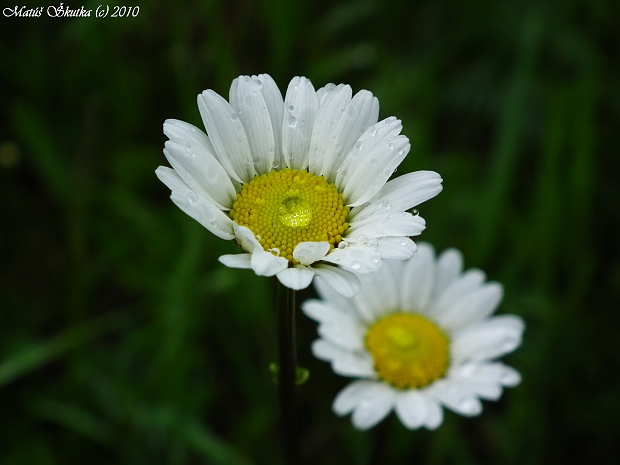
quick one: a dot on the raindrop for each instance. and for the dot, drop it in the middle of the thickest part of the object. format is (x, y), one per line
(388, 121)
(374, 243)
(291, 108)
(256, 160)
(258, 238)
(248, 161)
(386, 204)
(391, 145)
(374, 162)
(376, 260)
(303, 121)
(401, 151)
(213, 223)
(356, 265)
(192, 197)
(387, 172)
(414, 212)
(264, 108)
(292, 121)
(342, 111)
(380, 233)
(275, 165)
(362, 239)
(359, 145)
(403, 243)
(234, 116)
(342, 245)
(372, 131)
(259, 83)
(193, 129)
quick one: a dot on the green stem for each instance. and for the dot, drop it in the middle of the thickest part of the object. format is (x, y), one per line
(287, 376)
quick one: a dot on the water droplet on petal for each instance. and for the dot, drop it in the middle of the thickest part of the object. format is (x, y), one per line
(403, 243)
(192, 197)
(386, 204)
(258, 238)
(380, 233)
(372, 131)
(374, 162)
(362, 239)
(342, 245)
(275, 165)
(389, 121)
(259, 83)
(193, 129)
(292, 121)
(359, 145)
(291, 108)
(376, 260)
(414, 212)
(213, 223)
(391, 145)
(234, 116)
(356, 265)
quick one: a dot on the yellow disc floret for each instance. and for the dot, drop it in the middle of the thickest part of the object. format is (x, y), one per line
(284, 208)
(409, 351)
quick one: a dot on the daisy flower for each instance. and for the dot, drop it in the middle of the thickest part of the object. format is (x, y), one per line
(420, 336)
(300, 183)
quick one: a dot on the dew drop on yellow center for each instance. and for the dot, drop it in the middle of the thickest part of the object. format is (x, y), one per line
(408, 350)
(287, 207)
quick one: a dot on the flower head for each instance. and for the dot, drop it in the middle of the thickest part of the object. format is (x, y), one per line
(300, 183)
(419, 335)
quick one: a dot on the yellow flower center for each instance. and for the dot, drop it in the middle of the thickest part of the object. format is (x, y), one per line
(284, 208)
(409, 351)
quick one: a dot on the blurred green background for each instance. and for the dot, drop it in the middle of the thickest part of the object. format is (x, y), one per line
(124, 341)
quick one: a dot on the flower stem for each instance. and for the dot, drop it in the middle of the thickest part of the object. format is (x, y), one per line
(287, 376)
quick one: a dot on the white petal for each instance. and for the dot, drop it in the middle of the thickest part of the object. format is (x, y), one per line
(397, 248)
(379, 293)
(247, 100)
(435, 415)
(321, 94)
(362, 112)
(201, 171)
(323, 149)
(296, 278)
(490, 339)
(349, 397)
(266, 264)
(327, 312)
(275, 107)
(227, 135)
(456, 398)
(203, 211)
(375, 137)
(472, 307)
(360, 259)
(381, 225)
(376, 404)
(401, 193)
(468, 282)
(240, 260)
(170, 178)
(449, 267)
(412, 408)
(416, 283)
(309, 252)
(342, 281)
(300, 108)
(344, 332)
(370, 171)
(333, 298)
(246, 239)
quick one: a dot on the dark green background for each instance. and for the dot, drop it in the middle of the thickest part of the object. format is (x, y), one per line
(124, 341)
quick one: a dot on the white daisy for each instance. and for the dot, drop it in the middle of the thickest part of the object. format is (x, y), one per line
(419, 335)
(301, 183)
